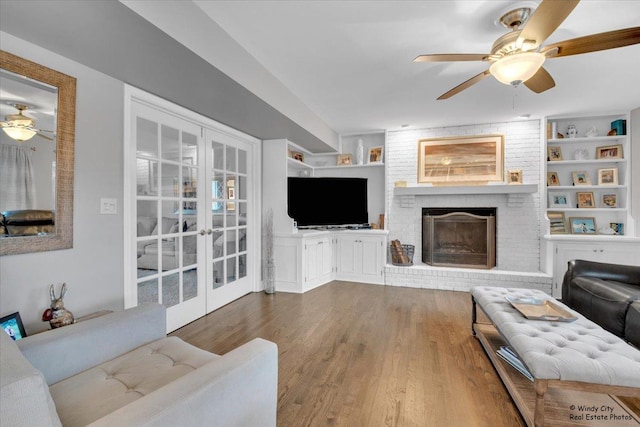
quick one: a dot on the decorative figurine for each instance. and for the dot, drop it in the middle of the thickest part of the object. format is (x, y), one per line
(572, 132)
(592, 131)
(57, 315)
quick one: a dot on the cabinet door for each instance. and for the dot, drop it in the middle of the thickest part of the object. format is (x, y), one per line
(347, 256)
(311, 253)
(326, 259)
(371, 268)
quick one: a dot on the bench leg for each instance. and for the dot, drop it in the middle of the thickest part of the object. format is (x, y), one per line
(474, 315)
(541, 387)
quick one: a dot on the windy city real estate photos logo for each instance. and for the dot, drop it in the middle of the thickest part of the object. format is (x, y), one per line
(604, 414)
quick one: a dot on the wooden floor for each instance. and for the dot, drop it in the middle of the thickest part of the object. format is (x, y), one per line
(366, 355)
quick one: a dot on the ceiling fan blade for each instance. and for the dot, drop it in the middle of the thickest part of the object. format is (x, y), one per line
(544, 21)
(594, 42)
(473, 80)
(540, 81)
(451, 57)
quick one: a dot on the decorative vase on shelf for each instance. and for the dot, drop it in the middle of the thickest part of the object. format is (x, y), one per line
(360, 153)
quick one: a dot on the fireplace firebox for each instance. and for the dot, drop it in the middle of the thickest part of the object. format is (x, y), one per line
(459, 237)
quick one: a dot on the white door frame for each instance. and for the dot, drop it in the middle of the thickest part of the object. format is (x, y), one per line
(254, 244)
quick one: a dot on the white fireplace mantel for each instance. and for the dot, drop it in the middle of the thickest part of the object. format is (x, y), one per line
(513, 192)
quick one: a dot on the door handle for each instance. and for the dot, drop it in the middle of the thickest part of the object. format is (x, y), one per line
(203, 232)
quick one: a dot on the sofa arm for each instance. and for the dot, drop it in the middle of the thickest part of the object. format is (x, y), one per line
(63, 352)
(620, 273)
(237, 389)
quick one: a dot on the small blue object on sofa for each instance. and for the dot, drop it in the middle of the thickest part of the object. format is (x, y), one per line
(121, 369)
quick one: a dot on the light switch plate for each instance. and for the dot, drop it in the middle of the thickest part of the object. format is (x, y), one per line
(108, 206)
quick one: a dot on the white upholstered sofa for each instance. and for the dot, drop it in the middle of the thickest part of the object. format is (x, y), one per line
(122, 370)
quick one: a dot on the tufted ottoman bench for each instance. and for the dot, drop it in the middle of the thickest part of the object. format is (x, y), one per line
(577, 355)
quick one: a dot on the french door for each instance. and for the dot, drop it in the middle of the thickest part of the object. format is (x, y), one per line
(189, 221)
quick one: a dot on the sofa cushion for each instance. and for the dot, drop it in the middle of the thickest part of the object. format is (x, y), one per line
(96, 392)
(24, 394)
(603, 301)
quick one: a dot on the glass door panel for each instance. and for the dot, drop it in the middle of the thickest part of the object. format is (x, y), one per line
(229, 207)
(167, 169)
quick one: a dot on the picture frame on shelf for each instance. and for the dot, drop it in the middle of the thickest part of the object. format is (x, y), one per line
(583, 225)
(610, 200)
(297, 155)
(609, 152)
(585, 199)
(467, 160)
(608, 176)
(514, 176)
(552, 179)
(617, 227)
(345, 160)
(581, 178)
(375, 155)
(12, 325)
(557, 223)
(559, 200)
(554, 153)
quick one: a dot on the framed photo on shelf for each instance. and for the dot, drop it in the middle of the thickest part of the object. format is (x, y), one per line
(375, 155)
(609, 152)
(610, 200)
(345, 159)
(515, 176)
(581, 178)
(583, 225)
(586, 199)
(297, 155)
(12, 325)
(557, 223)
(552, 179)
(608, 176)
(617, 227)
(559, 200)
(554, 153)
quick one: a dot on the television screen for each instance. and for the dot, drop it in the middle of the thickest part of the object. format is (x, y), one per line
(327, 201)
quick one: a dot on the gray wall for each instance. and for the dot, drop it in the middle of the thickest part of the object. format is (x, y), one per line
(93, 269)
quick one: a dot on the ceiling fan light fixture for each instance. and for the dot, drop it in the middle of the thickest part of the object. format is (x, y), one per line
(19, 133)
(518, 68)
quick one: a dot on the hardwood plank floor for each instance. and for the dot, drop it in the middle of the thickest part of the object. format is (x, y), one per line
(366, 355)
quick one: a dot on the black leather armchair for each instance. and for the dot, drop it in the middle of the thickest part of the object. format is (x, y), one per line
(604, 293)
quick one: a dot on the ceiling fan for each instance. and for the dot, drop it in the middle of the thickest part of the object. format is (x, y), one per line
(517, 56)
(20, 127)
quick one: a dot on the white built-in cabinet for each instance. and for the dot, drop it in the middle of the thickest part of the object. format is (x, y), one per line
(360, 257)
(307, 259)
(579, 155)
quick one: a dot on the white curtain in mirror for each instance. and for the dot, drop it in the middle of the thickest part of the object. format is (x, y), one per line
(17, 188)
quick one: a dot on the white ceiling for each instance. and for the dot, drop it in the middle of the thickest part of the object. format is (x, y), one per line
(351, 62)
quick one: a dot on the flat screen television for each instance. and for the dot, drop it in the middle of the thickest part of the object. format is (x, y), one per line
(325, 201)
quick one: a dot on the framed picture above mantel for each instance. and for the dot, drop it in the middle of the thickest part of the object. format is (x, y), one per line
(461, 160)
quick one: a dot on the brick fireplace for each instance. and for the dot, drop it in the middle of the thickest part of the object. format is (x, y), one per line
(518, 255)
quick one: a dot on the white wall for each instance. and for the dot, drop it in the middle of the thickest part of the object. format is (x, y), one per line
(518, 223)
(93, 268)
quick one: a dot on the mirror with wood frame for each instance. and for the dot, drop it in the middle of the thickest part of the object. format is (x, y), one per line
(36, 156)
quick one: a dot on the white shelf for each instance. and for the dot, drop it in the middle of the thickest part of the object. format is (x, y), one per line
(366, 165)
(591, 237)
(584, 162)
(552, 209)
(582, 139)
(584, 187)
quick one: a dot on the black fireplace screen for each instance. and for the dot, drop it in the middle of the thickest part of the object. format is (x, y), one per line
(459, 237)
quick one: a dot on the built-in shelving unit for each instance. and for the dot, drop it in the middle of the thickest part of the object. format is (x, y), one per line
(579, 154)
(588, 153)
